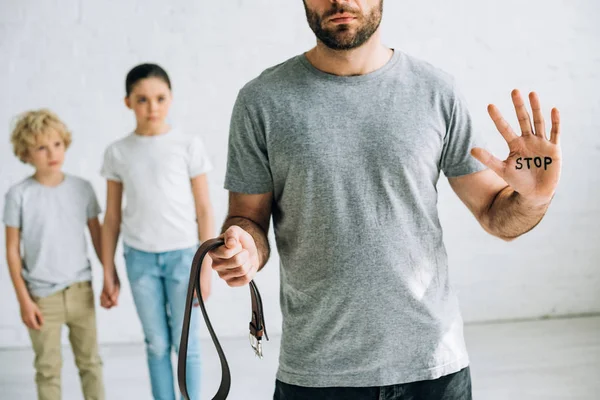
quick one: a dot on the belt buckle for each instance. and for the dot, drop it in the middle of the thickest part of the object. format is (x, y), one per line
(256, 346)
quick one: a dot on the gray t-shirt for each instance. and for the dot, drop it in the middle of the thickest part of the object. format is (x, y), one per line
(353, 164)
(52, 222)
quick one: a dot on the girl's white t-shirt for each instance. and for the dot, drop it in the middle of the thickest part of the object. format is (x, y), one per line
(159, 211)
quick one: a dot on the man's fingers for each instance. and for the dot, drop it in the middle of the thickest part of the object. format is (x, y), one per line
(232, 244)
(235, 261)
(522, 114)
(236, 272)
(241, 281)
(503, 127)
(231, 237)
(488, 159)
(538, 116)
(236, 239)
(555, 131)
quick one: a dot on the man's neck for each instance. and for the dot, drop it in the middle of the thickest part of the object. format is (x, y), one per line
(53, 178)
(360, 61)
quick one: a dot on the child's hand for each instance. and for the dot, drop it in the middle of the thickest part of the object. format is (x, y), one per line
(206, 289)
(110, 292)
(205, 281)
(31, 315)
(206, 278)
(196, 303)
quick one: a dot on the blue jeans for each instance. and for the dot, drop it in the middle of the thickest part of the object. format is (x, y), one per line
(455, 386)
(159, 283)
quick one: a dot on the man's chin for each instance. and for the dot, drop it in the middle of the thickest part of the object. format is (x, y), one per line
(341, 45)
(340, 41)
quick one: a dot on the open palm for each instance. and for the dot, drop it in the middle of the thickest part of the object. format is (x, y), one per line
(533, 165)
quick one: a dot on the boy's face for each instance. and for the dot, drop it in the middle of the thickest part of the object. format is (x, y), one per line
(48, 154)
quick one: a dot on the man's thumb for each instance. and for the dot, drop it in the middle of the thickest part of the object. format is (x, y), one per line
(230, 238)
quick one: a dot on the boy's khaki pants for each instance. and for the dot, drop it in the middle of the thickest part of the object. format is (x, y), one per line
(74, 307)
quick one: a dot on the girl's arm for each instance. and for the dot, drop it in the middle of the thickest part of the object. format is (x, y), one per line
(30, 313)
(206, 228)
(110, 235)
(96, 234)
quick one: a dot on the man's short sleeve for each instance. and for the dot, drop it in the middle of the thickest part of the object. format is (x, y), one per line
(460, 138)
(93, 208)
(109, 167)
(12, 209)
(198, 162)
(248, 169)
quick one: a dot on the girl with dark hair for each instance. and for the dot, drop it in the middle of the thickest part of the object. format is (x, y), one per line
(162, 173)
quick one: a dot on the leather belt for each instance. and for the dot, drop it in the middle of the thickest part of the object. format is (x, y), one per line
(257, 324)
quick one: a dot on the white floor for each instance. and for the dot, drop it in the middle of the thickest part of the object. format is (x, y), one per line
(550, 359)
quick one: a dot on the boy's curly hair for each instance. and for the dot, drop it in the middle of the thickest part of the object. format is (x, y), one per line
(32, 124)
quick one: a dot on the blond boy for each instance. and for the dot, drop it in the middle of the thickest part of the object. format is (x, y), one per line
(46, 214)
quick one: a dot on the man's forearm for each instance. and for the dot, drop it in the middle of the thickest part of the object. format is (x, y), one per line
(511, 215)
(257, 232)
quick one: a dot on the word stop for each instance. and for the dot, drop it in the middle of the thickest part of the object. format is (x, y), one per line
(537, 161)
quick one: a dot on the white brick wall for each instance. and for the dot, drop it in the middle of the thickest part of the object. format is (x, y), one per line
(72, 56)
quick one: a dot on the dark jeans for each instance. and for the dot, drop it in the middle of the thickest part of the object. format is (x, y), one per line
(455, 386)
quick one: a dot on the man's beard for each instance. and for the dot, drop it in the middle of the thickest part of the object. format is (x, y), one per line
(340, 37)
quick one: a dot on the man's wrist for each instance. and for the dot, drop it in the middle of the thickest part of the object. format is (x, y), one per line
(533, 202)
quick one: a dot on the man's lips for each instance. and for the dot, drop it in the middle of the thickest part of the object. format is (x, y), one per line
(342, 18)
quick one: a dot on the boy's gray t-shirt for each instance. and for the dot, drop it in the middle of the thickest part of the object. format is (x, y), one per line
(353, 164)
(52, 222)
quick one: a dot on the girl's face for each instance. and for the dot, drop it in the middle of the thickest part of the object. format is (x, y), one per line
(150, 100)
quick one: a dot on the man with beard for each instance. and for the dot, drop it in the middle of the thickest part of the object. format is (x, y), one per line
(343, 146)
